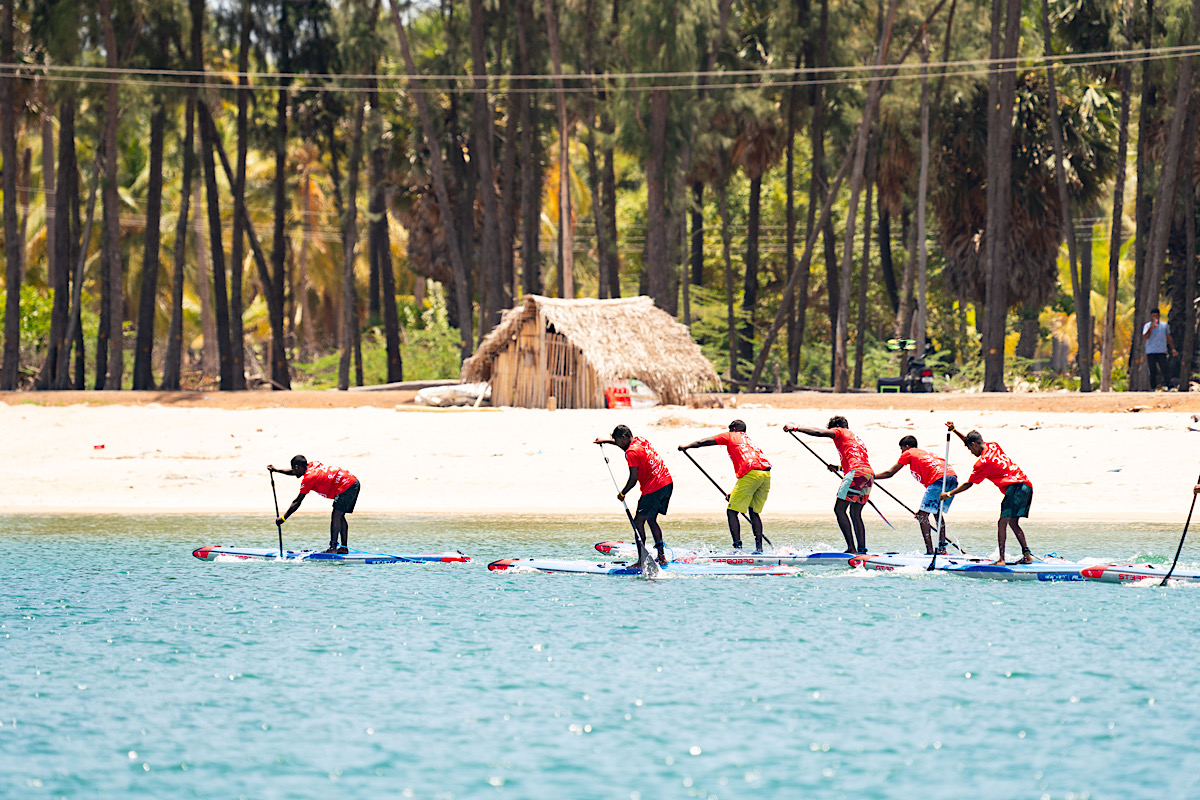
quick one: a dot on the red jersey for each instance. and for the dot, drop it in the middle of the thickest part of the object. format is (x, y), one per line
(651, 471)
(995, 466)
(325, 481)
(851, 449)
(742, 452)
(925, 466)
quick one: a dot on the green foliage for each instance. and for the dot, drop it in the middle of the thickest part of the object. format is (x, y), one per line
(35, 319)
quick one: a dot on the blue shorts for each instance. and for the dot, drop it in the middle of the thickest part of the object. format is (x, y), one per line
(929, 503)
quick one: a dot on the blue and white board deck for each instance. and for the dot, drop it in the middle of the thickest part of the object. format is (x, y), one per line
(889, 562)
(233, 554)
(1135, 573)
(628, 550)
(561, 566)
(1045, 569)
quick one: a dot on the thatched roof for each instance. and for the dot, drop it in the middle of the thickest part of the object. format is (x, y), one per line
(622, 338)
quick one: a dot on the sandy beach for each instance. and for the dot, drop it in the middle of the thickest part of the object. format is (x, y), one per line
(1089, 457)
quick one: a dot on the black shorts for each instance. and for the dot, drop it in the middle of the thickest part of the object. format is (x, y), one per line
(345, 501)
(655, 503)
(1016, 502)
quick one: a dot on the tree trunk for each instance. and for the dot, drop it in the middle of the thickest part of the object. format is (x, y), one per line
(790, 212)
(171, 368)
(727, 260)
(57, 352)
(750, 278)
(659, 274)
(209, 354)
(115, 298)
(280, 375)
(1187, 347)
(1164, 209)
(74, 334)
(1114, 247)
(531, 194)
(237, 248)
(437, 172)
(566, 266)
(864, 272)
(217, 252)
(349, 244)
(10, 371)
(50, 187)
(1080, 292)
(1001, 95)
(608, 186)
(143, 374)
(886, 262)
(922, 192)
(379, 239)
(495, 293)
(1147, 103)
(874, 91)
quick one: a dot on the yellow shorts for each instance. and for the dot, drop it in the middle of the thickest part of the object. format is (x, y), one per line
(750, 492)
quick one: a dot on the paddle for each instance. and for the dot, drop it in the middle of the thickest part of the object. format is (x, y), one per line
(648, 566)
(1181, 538)
(838, 472)
(271, 472)
(724, 493)
(938, 527)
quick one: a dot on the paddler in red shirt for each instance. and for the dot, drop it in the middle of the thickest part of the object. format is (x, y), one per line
(753, 473)
(337, 484)
(929, 470)
(647, 468)
(995, 466)
(857, 479)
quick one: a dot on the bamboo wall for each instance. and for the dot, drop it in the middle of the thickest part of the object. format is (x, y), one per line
(537, 365)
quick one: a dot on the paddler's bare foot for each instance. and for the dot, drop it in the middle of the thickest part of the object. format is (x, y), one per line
(1026, 559)
(998, 562)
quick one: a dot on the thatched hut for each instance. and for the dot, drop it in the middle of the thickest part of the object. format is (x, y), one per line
(572, 350)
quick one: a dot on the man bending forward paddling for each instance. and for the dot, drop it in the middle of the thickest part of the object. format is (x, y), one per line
(995, 466)
(753, 480)
(647, 468)
(336, 484)
(930, 471)
(857, 479)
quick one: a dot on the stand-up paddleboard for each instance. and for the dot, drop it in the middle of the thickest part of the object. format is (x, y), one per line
(224, 553)
(552, 565)
(1047, 568)
(888, 562)
(1134, 573)
(628, 550)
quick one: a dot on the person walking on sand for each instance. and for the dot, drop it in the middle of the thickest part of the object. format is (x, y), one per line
(857, 479)
(995, 466)
(336, 484)
(753, 472)
(647, 468)
(930, 470)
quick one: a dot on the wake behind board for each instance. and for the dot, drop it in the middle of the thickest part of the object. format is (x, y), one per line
(1135, 573)
(1048, 568)
(566, 566)
(233, 554)
(889, 562)
(628, 550)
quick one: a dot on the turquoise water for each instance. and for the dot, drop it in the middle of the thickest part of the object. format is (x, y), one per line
(131, 669)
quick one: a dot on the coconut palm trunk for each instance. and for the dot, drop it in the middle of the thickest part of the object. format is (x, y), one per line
(12, 241)
(1114, 247)
(172, 364)
(114, 298)
(67, 184)
(531, 195)
(1080, 293)
(1187, 348)
(1001, 96)
(349, 246)
(143, 376)
(495, 293)
(566, 265)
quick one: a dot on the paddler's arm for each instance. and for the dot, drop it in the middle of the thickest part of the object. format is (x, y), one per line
(709, 442)
(629, 484)
(826, 432)
(959, 490)
(291, 509)
(604, 441)
(889, 472)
